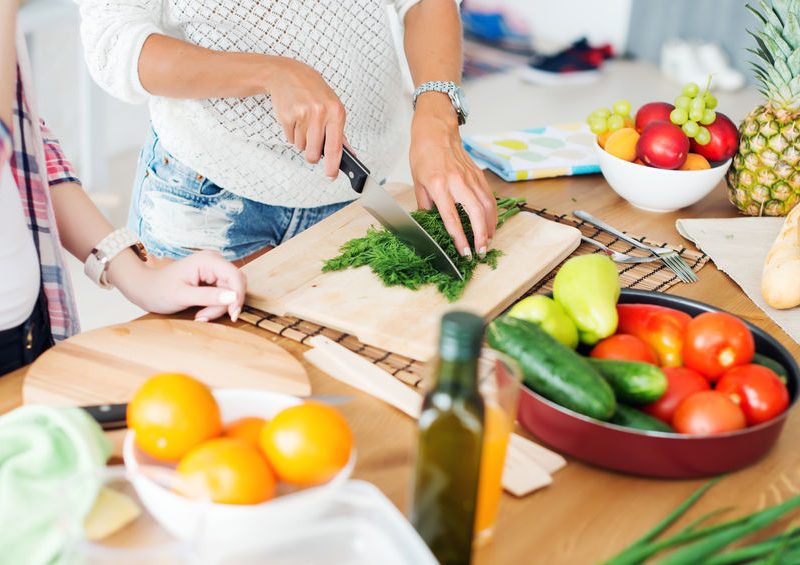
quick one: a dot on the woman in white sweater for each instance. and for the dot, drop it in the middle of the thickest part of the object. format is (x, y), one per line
(247, 95)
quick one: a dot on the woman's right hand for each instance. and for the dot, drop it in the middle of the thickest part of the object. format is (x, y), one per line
(311, 114)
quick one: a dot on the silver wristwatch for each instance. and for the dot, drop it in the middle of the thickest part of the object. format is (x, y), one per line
(457, 96)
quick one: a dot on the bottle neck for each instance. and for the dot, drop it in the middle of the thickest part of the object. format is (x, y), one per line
(457, 377)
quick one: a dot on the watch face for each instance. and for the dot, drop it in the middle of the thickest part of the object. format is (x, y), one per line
(462, 101)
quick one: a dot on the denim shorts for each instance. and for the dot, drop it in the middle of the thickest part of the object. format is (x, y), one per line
(176, 211)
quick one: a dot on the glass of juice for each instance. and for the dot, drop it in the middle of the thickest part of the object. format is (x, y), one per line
(499, 379)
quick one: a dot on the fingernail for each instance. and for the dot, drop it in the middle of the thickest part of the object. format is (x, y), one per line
(201, 319)
(482, 252)
(330, 179)
(235, 314)
(466, 252)
(227, 297)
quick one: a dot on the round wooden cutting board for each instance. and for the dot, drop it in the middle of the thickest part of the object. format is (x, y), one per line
(107, 365)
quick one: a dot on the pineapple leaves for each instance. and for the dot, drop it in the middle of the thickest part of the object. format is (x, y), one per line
(791, 30)
(783, 69)
(794, 63)
(756, 13)
(774, 36)
(770, 15)
(765, 53)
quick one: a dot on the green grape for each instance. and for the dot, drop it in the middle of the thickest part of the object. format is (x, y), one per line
(691, 89)
(597, 124)
(678, 116)
(622, 107)
(703, 136)
(698, 103)
(711, 100)
(683, 102)
(601, 113)
(615, 122)
(696, 115)
(708, 117)
(690, 128)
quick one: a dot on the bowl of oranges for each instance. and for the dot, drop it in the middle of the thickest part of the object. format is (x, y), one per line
(245, 461)
(665, 157)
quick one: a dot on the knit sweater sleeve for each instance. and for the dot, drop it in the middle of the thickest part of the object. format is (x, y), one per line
(113, 33)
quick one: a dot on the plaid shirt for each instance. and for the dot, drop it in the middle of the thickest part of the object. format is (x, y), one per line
(37, 164)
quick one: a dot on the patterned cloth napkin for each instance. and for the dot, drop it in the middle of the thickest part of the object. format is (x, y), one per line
(738, 247)
(552, 151)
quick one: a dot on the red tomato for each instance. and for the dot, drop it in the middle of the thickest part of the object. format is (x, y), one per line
(715, 342)
(624, 347)
(681, 383)
(706, 413)
(757, 390)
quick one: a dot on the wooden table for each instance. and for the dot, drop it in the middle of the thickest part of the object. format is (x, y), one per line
(588, 513)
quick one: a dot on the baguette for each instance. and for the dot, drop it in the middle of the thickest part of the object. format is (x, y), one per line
(780, 280)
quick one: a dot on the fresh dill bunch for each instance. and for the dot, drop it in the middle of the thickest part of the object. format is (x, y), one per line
(396, 264)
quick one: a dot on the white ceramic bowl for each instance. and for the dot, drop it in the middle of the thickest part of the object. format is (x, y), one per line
(658, 190)
(218, 524)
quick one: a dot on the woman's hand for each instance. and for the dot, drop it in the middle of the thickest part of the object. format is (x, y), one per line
(444, 174)
(311, 114)
(203, 279)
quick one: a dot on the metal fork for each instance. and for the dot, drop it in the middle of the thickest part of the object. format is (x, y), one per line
(617, 256)
(668, 256)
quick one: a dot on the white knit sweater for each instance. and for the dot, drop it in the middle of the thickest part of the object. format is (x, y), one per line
(238, 143)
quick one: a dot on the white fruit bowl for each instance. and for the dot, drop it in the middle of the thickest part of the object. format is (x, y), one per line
(217, 525)
(658, 190)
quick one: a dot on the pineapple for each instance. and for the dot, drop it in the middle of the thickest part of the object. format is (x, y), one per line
(764, 178)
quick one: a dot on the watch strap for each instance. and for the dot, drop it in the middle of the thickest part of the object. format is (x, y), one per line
(446, 87)
(96, 265)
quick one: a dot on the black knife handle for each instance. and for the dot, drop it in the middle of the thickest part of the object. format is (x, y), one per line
(109, 416)
(355, 170)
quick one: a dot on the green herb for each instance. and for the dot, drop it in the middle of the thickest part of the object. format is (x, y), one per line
(396, 264)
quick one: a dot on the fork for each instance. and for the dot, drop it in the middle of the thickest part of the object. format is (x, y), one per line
(668, 256)
(617, 256)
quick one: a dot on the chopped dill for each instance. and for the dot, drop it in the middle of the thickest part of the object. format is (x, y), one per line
(396, 264)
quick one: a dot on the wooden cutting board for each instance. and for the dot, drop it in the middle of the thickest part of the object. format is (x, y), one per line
(289, 280)
(107, 365)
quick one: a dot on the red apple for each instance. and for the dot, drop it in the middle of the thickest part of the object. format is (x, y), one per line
(724, 140)
(652, 112)
(663, 145)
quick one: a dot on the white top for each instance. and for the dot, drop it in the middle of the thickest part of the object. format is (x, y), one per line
(238, 143)
(19, 264)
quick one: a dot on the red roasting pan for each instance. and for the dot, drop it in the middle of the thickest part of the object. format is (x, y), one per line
(658, 454)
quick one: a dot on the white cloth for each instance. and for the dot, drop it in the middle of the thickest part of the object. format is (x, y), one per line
(238, 143)
(19, 264)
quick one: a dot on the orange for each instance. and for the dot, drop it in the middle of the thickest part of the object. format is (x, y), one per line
(307, 444)
(229, 470)
(622, 144)
(695, 162)
(246, 429)
(171, 413)
(603, 137)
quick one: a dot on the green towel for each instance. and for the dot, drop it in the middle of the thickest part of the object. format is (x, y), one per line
(41, 447)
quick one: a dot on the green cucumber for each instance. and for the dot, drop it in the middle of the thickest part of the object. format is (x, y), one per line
(633, 418)
(552, 369)
(770, 363)
(633, 382)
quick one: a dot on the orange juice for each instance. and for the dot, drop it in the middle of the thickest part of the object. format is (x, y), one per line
(496, 433)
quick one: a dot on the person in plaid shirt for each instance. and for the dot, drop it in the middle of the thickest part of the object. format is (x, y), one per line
(43, 207)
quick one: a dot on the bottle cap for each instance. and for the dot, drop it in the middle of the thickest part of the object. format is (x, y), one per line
(461, 336)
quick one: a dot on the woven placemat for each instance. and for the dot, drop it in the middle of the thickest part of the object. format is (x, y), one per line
(643, 276)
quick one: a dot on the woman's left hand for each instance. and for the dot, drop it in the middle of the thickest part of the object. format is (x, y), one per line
(444, 174)
(203, 279)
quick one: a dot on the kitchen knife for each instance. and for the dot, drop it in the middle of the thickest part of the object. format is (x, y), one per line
(113, 416)
(392, 216)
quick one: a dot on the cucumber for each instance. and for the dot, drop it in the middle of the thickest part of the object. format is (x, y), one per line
(770, 363)
(633, 418)
(552, 369)
(633, 382)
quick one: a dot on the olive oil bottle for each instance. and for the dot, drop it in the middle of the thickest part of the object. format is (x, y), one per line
(450, 440)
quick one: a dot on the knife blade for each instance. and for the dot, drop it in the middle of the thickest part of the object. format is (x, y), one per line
(392, 216)
(113, 416)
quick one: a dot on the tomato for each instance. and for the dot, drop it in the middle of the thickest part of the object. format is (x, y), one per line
(681, 383)
(706, 413)
(624, 347)
(757, 390)
(715, 342)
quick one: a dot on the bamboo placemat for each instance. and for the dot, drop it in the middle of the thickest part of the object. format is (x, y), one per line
(642, 276)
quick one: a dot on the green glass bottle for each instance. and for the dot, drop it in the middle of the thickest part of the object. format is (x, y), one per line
(450, 440)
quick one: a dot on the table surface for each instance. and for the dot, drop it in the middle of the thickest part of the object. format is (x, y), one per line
(587, 513)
